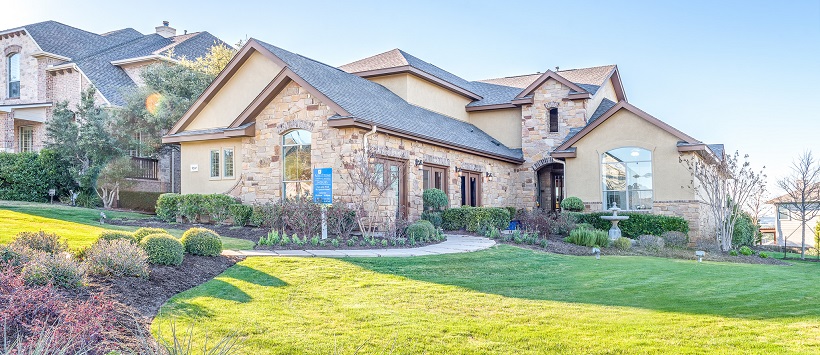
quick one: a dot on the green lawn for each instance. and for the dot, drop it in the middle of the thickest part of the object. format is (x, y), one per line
(505, 300)
(79, 226)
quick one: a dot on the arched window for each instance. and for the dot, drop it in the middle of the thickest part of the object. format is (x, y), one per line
(13, 71)
(627, 178)
(296, 177)
(553, 120)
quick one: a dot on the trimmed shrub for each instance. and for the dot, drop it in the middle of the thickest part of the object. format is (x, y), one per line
(763, 255)
(588, 237)
(745, 230)
(146, 231)
(572, 204)
(745, 250)
(421, 231)
(217, 206)
(538, 221)
(650, 242)
(201, 241)
(40, 241)
(733, 252)
(241, 214)
(638, 223)
(513, 212)
(433, 217)
(57, 270)
(674, 239)
(585, 226)
(341, 220)
(139, 200)
(168, 207)
(192, 206)
(29, 176)
(116, 258)
(163, 249)
(622, 243)
(455, 218)
(110, 235)
(483, 218)
(434, 199)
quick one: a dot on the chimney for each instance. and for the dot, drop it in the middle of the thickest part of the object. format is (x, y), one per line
(165, 30)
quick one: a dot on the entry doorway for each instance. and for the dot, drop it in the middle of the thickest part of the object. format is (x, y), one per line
(470, 188)
(551, 186)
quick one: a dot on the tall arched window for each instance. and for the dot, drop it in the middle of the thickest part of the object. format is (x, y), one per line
(553, 120)
(627, 178)
(296, 177)
(13, 71)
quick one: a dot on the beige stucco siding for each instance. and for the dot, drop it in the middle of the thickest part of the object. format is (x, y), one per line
(234, 97)
(504, 125)
(198, 154)
(670, 178)
(605, 91)
(395, 83)
(423, 93)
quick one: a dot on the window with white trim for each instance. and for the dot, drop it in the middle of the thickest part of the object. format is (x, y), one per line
(227, 163)
(26, 139)
(626, 177)
(13, 75)
(214, 164)
(297, 173)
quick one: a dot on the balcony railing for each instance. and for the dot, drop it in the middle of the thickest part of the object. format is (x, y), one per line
(145, 168)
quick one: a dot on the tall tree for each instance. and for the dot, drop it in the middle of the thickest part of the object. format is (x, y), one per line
(82, 137)
(725, 186)
(802, 187)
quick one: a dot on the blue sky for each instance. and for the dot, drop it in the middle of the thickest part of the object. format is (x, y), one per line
(742, 73)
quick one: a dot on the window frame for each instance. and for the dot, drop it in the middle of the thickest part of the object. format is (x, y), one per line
(298, 183)
(225, 160)
(211, 166)
(465, 188)
(553, 120)
(432, 169)
(9, 58)
(628, 180)
(22, 133)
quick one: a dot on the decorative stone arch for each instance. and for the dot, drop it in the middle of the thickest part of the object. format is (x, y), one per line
(11, 50)
(286, 126)
(549, 177)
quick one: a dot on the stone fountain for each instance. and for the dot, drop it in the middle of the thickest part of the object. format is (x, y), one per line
(614, 232)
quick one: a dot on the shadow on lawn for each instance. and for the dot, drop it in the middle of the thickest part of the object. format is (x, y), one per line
(256, 277)
(720, 289)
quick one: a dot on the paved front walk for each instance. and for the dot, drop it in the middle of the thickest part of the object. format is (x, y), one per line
(453, 244)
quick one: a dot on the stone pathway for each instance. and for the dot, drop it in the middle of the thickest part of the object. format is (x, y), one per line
(453, 244)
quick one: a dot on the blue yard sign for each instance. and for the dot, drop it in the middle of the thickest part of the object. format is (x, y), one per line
(323, 185)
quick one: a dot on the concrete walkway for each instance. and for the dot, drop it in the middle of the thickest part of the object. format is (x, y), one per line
(453, 244)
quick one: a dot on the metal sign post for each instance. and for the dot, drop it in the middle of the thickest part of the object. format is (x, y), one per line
(323, 193)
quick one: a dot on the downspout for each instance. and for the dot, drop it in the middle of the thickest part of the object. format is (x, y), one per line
(367, 135)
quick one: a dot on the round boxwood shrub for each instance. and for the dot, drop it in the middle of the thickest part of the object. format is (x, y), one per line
(163, 249)
(201, 241)
(421, 231)
(146, 231)
(167, 208)
(572, 204)
(115, 235)
(433, 217)
(434, 199)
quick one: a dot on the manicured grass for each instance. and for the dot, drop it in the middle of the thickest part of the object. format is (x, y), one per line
(505, 300)
(79, 226)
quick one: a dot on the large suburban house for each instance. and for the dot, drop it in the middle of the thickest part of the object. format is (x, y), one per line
(525, 141)
(788, 224)
(50, 62)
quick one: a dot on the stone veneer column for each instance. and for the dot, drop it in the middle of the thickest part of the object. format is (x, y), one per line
(6, 132)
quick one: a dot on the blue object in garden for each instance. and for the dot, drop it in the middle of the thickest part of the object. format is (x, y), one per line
(513, 225)
(323, 185)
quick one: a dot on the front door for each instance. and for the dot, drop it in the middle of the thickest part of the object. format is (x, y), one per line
(551, 186)
(470, 188)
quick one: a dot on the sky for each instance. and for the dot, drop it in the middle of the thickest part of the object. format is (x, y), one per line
(742, 73)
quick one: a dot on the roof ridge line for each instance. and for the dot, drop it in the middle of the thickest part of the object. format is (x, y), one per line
(110, 48)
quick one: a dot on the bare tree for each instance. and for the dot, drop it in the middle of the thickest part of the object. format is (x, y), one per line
(725, 186)
(371, 178)
(112, 178)
(802, 199)
(756, 206)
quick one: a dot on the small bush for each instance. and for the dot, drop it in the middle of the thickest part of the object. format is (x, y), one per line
(745, 230)
(481, 218)
(168, 207)
(217, 206)
(110, 235)
(537, 221)
(572, 204)
(146, 231)
(763, 255)
(745, 250)
(40, 241)
(622, 243)
(455, 218)
(433, 217)
(163, 249)
(675, 239)
(57, 270)
(201, 241)
(117, 258)
(421, 231)
(564, 223)
(241, 214)
(434, 199)
(192, 206)
(650, 242)
(584, 226)
(588, 237)
(733, 252)
(637, 224)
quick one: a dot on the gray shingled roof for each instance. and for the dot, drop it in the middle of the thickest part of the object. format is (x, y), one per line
(718, 149)
(125, 34)
(493, 94)
(603, 107)
(67, 41)
(374, 104)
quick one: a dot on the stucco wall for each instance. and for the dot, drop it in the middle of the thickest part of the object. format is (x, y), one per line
(234, 97)
(605, 91)
(423, 93)
(395, 83)
(198, 153)
(670, 178)
(504, 125)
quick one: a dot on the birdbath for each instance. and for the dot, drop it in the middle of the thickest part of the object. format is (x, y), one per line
(614, 232)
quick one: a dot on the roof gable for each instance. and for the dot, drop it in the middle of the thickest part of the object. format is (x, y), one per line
(549, 74)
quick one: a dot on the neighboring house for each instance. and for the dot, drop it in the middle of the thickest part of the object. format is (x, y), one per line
(49, 62)
(788, 224)
(525, 141)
